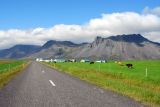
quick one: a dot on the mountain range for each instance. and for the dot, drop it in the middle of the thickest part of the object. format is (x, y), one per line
(120, 47)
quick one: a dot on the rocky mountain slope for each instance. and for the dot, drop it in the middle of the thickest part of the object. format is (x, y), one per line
(120, 47)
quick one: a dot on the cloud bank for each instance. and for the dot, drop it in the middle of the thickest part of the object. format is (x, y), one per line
(146, 23)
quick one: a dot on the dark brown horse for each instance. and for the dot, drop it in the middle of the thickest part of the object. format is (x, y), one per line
(92, 62)
(129, 65)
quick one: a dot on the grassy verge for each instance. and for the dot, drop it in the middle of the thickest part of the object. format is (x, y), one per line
(9, 69)
(129, 82)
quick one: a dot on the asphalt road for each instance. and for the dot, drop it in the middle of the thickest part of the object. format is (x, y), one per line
(41, 86)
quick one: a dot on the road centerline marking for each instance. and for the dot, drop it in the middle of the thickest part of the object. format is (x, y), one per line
(52, 83)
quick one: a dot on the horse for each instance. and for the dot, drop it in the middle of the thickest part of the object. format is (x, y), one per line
(92, 62)
(129, 65)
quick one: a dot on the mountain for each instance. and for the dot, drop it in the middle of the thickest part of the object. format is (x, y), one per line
(18, 51)
(132, 38)
(53, 42)
(135, 38)
(55, 49)
(120, 47)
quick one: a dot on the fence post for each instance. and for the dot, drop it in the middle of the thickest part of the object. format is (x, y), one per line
(146, 72)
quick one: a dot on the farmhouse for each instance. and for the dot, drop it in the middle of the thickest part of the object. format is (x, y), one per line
(71, 60)
(85, 60)
(39, 59)
(101, 61)
(59, 60)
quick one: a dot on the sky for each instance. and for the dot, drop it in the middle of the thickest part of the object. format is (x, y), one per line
(37, 21)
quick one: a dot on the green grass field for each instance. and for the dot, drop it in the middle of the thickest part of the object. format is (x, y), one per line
(9, 68)
(130, 82)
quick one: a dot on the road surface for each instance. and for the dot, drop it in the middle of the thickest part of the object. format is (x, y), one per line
(41, 86)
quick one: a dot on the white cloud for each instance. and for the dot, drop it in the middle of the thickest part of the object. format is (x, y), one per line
(155, 36)
(146, 23)
(155, 11)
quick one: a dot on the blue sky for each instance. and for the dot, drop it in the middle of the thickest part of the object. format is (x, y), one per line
(26, 14)
(37, 21)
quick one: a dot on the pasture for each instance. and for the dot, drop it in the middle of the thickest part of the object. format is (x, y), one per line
(142, 82)
(8, 69)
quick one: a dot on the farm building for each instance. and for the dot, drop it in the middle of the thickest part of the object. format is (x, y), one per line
(59, 60)
(39, 59)
(85, 60)
(101, 61)
(71, 60)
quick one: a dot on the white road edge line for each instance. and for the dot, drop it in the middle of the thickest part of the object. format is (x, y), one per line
(52, 83)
